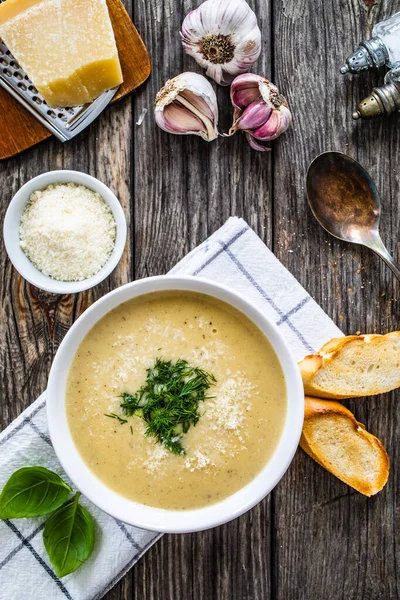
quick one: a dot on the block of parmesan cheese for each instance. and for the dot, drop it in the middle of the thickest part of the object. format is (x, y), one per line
(66, 47)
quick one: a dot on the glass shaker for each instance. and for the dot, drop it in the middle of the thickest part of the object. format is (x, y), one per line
(382, 50)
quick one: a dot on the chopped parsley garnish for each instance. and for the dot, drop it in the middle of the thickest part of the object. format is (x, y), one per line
(168, 402)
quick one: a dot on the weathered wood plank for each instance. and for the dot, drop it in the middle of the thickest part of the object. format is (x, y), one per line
(334, 543)
(184, 190)
(32, 322)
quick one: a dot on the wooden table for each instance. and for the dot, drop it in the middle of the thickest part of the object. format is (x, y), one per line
(313, 537)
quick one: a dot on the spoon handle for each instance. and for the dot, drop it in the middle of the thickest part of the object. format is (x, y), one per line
(380, 249)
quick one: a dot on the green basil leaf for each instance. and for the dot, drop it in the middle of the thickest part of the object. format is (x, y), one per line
(69, 536)
(32, 492)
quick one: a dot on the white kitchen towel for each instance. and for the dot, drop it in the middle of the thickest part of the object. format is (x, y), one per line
(234, 256)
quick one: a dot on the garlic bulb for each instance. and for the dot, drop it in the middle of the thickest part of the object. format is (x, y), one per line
(260, 110)
(223, 37)
(187, 105)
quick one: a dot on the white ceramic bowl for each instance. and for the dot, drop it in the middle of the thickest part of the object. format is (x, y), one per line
(11, 232)
(157, 519)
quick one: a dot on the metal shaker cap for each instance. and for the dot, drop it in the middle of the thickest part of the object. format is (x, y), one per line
(369, 108)
(371, 54)
(382, 102)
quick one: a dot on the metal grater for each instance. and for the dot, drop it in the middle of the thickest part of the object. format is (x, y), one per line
(64, 123)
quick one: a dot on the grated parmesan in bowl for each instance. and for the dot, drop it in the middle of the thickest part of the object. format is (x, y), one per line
(68, 231)
(65, 231)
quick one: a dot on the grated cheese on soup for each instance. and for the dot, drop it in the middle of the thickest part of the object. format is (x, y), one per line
(240, 422)
(67, 231)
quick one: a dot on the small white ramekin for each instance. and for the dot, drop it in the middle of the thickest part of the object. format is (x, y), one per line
(13, 218)
(156, 519)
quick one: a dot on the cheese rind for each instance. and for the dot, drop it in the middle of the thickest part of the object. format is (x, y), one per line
(66, 47)
(61, 92)
(100, 75)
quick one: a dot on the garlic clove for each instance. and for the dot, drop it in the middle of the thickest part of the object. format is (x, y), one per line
(223, 37)
(198, 102)
(254, 115)
(254, 98)
(243, 97)
(270, 129)
(187, 105)
(178, 119)
(275, 126)
(245, 89)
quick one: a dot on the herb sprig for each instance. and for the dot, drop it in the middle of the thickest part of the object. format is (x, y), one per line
(169, 400)
(120, 420)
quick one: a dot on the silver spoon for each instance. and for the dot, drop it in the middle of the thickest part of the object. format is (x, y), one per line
(345, 201)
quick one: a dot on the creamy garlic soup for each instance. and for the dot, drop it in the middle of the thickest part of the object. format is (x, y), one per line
(239, 426)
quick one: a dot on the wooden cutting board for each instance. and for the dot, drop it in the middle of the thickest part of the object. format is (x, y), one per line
(20, 130)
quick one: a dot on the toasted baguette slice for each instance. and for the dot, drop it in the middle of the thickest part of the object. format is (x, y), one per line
(334, 439)
(357, 365)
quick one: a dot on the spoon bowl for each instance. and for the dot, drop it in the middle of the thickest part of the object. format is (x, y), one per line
(345, 201)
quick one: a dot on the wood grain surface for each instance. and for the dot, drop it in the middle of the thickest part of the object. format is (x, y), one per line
(20, 130)
(313, 537)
